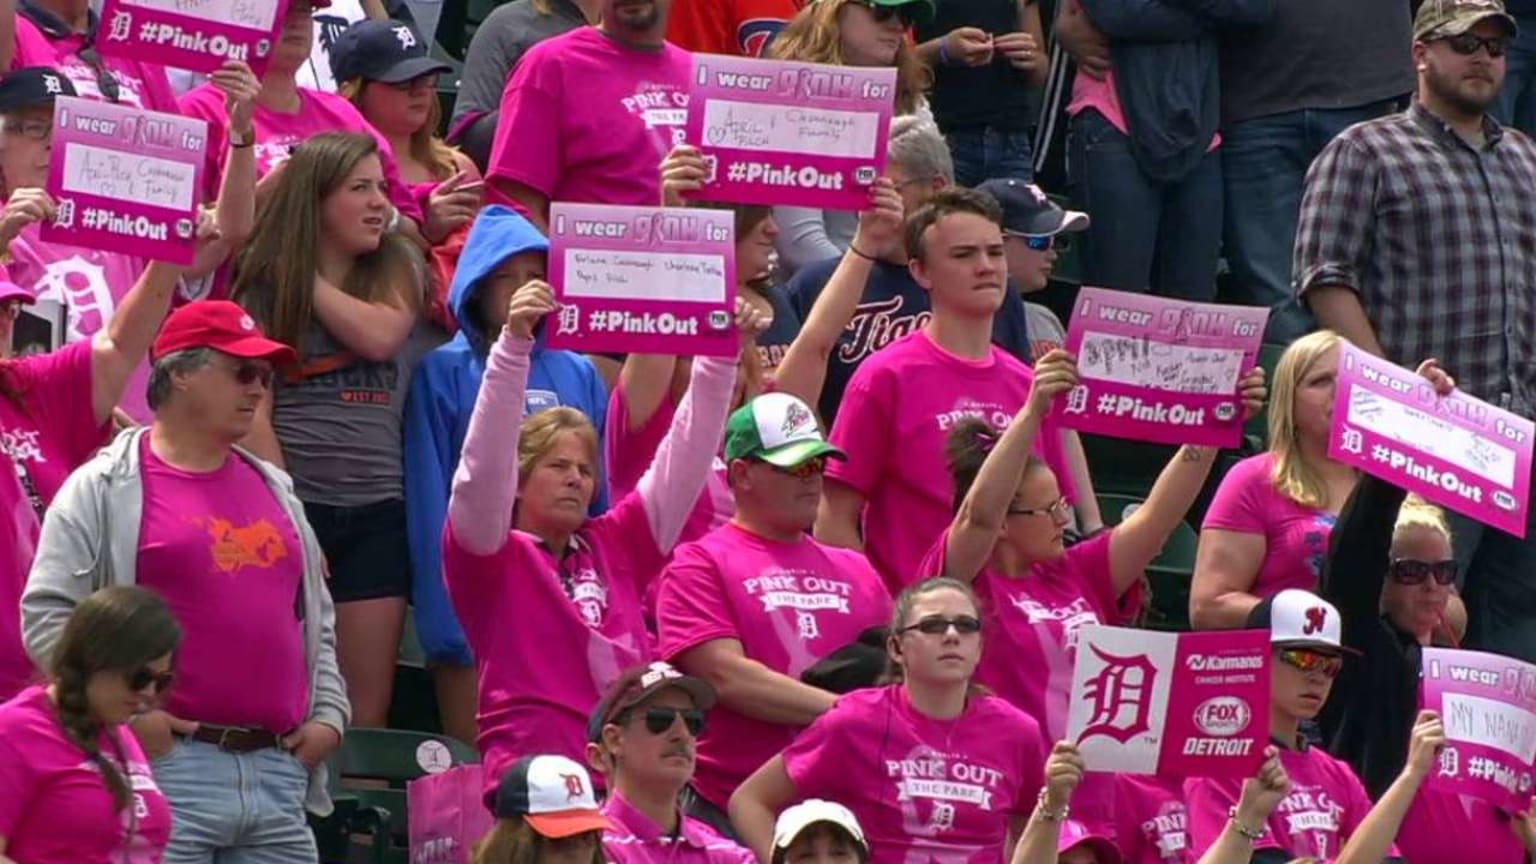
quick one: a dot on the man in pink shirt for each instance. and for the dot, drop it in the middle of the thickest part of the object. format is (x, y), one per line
(238, 745)
(588, 115)
(756, 602)
(642, 737)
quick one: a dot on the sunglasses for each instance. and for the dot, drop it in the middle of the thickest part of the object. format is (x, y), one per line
(804, 471)
(1466, 44)
(1036, 242)
(882, 14)
(248, 372)
(110, 90)
(659, 720)
(146, 677)
(1056, 509)
(1307, 660)
(938, 625)
(1412, 571)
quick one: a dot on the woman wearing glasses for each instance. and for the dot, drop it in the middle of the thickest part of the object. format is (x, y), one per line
(78, 788)
(931, 765)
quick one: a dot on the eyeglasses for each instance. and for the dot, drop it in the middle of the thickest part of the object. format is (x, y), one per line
(805, 470)
(1307, 660)
(659, 720)
(110, 90)
(938, 625)
(147, 677)
(1413, 571)
(37, 130)
(1466, 44)
(882, 14)
(1056, 509)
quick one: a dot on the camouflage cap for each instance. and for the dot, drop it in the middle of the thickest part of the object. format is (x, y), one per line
(1438, 19)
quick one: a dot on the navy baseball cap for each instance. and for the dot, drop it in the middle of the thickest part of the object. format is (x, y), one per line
(33, 85)
(1028, 211)
(387, 51)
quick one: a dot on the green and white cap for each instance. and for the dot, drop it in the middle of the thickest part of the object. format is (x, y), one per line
(778, 429)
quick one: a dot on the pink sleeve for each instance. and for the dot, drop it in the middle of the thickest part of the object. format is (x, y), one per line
(198, 103)
(16, 778)
(1356, 803)
(861, 430)
(485, 483)
(1032, 752)
(1239, 503)
(58, 398)
(933, 563)
(629, 451)
(672, 484)
(692, 608)
(526, 148)
(817, 760)
(1089, 564)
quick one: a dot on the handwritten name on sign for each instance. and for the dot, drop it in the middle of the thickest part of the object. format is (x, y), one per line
(1488, 705)
(1155, 369)
(125, 179)
(776, 132)
(1456, 450)
(643, 279)
(192, 34)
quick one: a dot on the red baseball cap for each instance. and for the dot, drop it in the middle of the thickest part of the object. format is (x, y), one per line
(222, 326)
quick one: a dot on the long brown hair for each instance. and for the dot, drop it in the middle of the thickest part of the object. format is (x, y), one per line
(813, 36)
(117, 630)
(426, 147)
(513, 841)
(276, 270)
(966, 449)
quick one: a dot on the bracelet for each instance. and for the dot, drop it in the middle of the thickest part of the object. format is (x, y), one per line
(1046, 813)
(1247, 833)
(855, 250)
(944, 50)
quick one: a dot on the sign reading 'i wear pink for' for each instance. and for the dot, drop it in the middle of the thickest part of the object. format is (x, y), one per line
(1488, 706)
(775, 132)
(1172, 704)
(125, 179)
(1455, 450)
(1154, 369)
(192, 34)
(643, 280)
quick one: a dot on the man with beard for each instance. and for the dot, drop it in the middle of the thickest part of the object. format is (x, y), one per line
(1418, 239)
(642, 737)
(588, 115)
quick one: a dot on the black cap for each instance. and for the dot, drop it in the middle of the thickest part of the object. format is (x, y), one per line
(1027, 210)
(34, 85)
(852, 667)
(388, 51)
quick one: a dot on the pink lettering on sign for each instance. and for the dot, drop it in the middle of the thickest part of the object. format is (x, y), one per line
(643, 279)
(1456, 451)
(1154, 369)
(192, 34)
(1488, 705)
(1171, 704)
(126, 180)
(775, 132)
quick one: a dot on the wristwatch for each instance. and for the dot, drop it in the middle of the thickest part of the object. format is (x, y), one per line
(240, 142)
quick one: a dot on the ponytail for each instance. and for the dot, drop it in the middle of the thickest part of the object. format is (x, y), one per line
(85, 732)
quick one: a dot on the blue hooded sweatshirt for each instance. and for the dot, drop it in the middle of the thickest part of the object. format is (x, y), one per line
(437, 408)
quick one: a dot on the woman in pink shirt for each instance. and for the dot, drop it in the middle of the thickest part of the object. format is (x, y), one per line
(932, 766)
(78, 790)
(519, 547)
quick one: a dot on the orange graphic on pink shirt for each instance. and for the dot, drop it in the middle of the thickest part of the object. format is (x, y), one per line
(256, 545)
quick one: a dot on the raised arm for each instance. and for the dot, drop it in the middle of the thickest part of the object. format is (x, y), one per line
(803, 236)
(119, 348)
(1261, 795)
(235, 210)
(485, 484)
(1371, 841)
(1063, 771)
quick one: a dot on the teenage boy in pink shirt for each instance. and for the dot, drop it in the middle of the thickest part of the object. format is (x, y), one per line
(643, 737)
(588, 115)
(753, 604)
(893, 496)
(239, 745)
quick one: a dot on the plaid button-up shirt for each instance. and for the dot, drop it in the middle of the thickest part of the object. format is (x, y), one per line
(1438, 238)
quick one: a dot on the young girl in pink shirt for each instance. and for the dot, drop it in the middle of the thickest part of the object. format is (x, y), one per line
(549, 599)
(78, 789)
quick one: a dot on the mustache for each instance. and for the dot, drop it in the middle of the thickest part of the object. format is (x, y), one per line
(681, 748)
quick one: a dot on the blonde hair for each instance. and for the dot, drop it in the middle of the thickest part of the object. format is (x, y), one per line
(541, 431)
(813, 36)
(1292, 476)
(426, 147)
(1416, 513)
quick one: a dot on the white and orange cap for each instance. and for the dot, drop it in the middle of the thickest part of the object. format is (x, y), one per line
(553, 795)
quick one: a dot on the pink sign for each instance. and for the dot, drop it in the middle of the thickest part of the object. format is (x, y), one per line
(1173, 704)
(125, 179)
(646, 280)
(802, 134)
(1456, 451)
(192, 34)
(1488, 705)
(1154, 369)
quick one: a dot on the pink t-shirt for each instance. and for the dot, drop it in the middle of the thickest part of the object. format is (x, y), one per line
(1445, 827)
(1325, 806)
(144, 85)
(1100, 95)
(635, 839)
(1295, 537)
(922, 789)
(788, 604)
(56, 808)
(550, 636)
(47, 429)
(1152, 823)
(585, 119)
(277, 133)
(222, 552)
(895, 416)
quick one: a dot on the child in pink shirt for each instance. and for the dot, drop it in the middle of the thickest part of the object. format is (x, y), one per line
(544, 581)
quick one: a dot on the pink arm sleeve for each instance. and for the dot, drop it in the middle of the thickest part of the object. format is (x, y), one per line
(672, 484)
(485, 484)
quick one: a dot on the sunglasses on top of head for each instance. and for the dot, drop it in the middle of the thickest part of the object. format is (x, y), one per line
(1413, 571)
(882, 14)
(1308, 660)
(938, 625)
(1466, 44)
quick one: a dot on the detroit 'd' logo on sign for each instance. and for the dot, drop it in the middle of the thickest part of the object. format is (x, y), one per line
(1223, 716)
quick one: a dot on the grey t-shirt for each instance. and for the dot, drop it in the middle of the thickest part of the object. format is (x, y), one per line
(1045, 331)
(499, 42)
(1317, 54)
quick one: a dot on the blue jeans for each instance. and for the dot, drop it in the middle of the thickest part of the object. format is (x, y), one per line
(1516, 103)
(1498, 578)
(991, 154)
(228, 808)
(1264, 162)
(1145, 235)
